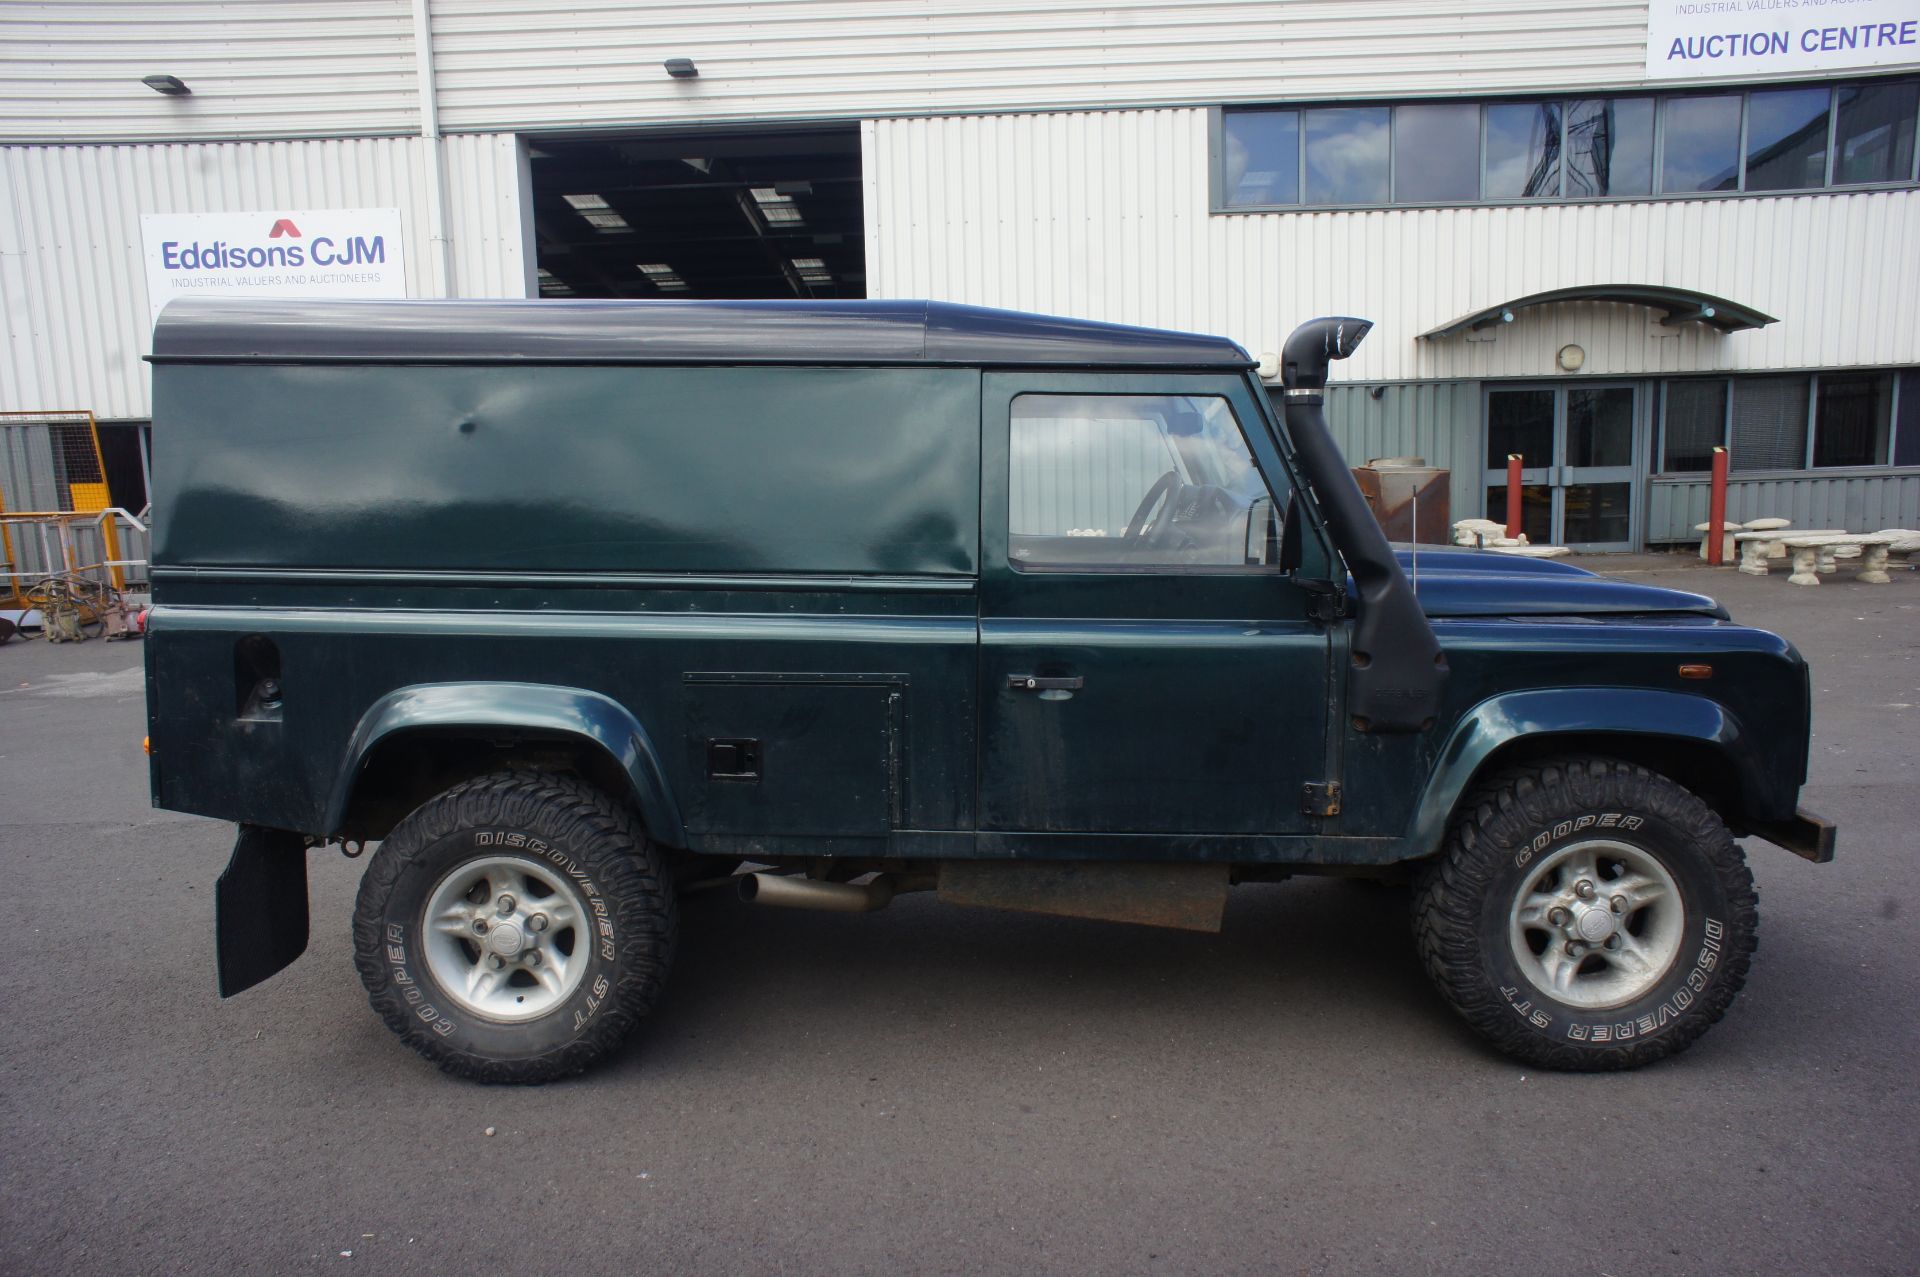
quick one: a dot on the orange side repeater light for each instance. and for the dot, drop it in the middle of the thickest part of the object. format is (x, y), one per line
(1696, 671)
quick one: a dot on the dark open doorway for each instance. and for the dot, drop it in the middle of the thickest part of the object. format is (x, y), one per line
(771, 213)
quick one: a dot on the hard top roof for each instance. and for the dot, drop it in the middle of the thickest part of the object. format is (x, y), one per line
(623, 332)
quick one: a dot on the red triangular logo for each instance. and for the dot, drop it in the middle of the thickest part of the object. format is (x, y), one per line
(284, 226)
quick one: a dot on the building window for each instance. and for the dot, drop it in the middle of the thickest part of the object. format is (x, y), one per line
(1769, 423)
(1523, 151)
(1696, 423)
(1700, 148)
(1803, 421)
(1851, 420)
(1875, 138)
(1436, 153)
(1609, 148)
(1346, 156)
(1787, 139)
(1722, 142)
(1263, 155)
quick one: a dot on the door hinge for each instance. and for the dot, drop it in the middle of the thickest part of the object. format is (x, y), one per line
(1320, 798)
(1325, 600)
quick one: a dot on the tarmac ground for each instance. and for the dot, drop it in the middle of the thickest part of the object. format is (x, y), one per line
(931, 1089)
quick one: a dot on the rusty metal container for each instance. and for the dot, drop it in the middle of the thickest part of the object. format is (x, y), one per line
(1395, 487)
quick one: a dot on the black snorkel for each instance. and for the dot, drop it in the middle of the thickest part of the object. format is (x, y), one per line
(1396, 669)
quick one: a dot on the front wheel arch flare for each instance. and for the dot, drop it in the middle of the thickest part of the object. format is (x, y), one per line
(1656, 729)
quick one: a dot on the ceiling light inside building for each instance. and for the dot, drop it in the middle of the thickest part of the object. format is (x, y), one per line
(813, 270)
(775, 208)
(598, 212)
(662, 276)
(552, 286)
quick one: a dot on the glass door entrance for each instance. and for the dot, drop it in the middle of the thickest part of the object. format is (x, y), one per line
(1577, 445)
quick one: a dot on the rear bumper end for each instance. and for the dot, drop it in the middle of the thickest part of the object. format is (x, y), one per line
(1805, 835)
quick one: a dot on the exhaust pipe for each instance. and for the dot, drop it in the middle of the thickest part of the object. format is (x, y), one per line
(810, 893)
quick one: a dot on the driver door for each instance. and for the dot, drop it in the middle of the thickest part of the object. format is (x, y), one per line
(1146, 666)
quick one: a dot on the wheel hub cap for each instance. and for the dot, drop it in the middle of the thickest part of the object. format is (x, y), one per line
(1593, 924)
(507, 937)
(1597, 924)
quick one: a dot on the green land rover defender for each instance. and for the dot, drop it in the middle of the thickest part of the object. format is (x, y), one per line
(571, 607)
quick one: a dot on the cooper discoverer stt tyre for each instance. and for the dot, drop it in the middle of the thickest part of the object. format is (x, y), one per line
(1587, 914)
(515, 928)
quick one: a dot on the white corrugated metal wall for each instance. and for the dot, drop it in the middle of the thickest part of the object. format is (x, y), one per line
(289, 68)
(1104, 215)
(505, 64)
(72, 277)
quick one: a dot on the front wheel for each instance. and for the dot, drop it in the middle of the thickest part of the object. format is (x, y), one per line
(1588, 914)
(515, 928)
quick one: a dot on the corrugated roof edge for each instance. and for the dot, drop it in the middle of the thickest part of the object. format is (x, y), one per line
(568, 332)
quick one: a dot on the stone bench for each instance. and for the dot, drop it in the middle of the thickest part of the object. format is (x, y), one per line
(1905, 541)
(1810, 549)
(1757, 548)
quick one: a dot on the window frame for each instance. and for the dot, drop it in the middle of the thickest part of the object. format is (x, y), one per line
(1219, 195)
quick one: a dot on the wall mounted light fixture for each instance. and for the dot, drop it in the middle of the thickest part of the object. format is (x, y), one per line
(681, 68)
(171, 85)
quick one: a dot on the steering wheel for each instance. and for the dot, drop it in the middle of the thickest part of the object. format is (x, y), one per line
(1161, 490)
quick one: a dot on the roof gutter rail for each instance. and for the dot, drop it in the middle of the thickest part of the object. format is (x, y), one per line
(1396, 668)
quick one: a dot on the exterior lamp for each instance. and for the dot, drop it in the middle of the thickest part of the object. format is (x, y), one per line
(681, 68)
(170, 85)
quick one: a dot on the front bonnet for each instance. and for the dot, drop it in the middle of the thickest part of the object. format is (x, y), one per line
(1487, 583)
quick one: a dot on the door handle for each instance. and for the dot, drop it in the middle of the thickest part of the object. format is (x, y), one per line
(1037, 683)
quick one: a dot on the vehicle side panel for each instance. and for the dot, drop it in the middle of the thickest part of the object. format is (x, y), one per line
(552, 469)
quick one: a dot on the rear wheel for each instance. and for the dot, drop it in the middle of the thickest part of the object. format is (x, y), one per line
(1588, 914)
(515, 928)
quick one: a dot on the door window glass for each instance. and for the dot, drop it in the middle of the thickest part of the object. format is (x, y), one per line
(1597, 513)
(1536, 510)
(1600, 427)
(1106, 482)
(1520, 421)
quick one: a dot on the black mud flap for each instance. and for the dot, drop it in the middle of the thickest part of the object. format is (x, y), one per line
(260, 907)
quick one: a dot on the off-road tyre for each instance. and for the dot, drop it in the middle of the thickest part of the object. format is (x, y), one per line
(1529, 816)
(561, 826)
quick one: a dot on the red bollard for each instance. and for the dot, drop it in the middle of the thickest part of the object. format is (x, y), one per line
(1513, 494)
(1717, 508)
